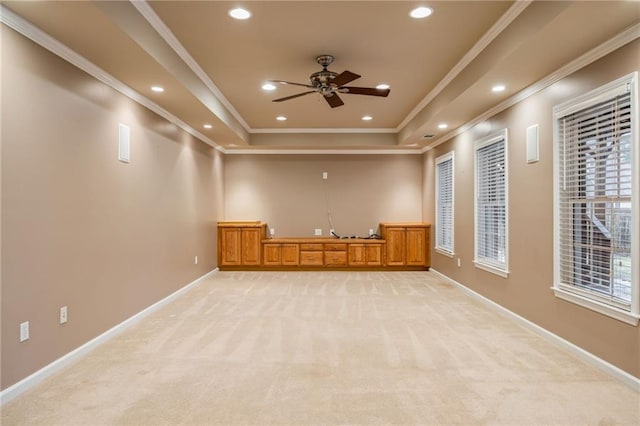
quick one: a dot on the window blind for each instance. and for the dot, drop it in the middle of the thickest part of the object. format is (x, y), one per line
(491, 204)
(444, 203)
(594, 199)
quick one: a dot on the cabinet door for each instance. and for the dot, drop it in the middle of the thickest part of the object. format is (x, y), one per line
(251, 246)
(357, 255)
(416, 246)
(230, 246)
(373, 254)
(272, 254)
(396, 242)
(289, 254)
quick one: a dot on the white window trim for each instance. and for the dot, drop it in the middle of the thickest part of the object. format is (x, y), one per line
(445, 157)
(488, 140)
(571, 293)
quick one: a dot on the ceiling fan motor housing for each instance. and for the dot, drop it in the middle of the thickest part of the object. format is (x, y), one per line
(329, 84)
(321, 80)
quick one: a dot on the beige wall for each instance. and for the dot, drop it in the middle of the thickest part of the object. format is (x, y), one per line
(108, 239)
(527, 290)
(80, 228)
(288, 192)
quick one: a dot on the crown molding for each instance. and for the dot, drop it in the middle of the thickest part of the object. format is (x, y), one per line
(161, 28)
(276, 151)
(33, 33)
(327, 130)
(626, 36)
(505, 20)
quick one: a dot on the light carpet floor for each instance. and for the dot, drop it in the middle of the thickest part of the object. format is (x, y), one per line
(289, 348)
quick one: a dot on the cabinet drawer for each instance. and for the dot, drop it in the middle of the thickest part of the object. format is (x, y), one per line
(335, 247)
(335, 258)
(311, 247)
(310, 258)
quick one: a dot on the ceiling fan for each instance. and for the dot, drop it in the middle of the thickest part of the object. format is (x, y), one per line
(329, 84)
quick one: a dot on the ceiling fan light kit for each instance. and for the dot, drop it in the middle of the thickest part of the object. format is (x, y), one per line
(329, 84)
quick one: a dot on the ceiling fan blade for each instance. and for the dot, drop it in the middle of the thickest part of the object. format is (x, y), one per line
(334, 100)
(286, 98)
(344, 78)
(371, 91)
(291, 83)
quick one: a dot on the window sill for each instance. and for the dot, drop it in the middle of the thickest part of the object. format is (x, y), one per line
(500, 272)
(444, 252)
(599, 307)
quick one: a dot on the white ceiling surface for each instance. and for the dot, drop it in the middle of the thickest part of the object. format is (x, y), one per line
(440, 69)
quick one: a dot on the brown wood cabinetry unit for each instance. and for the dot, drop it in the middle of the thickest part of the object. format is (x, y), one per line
(243, 245)
(280, 254)
(407, 243)
(239, 243)
(365, 254)
(335, 254)
(311, 254)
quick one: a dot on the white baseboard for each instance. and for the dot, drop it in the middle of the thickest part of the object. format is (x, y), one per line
(588, 357)
(30, 381)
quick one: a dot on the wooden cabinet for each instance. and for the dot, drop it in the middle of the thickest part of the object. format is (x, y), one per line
(396, 246)
(280, 254)
(290, 254)
(229, 246)
(335, 254)
(417, 246)
(407, 243)
(250, 252)
(311, 254)
(244, 245)
(239, 243)
(365, 254)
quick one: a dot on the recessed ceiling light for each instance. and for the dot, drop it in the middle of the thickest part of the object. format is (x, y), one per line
(421, 12)
(158, 89)
(443, 126)
(367, 118)
(208, 126)
(382, 86)
(498, 88)
(268, 86)
(240, 13)
(281, 118)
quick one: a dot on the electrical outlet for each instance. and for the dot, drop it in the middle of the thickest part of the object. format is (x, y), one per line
(370, 231)
(63, 315)
(195, 260)
(24, 331)
(272, 231)
(458, 262)
(331, 232)
(318, 231)
(325, 175)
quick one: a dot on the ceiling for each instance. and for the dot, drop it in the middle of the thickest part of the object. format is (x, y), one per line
(441, 69)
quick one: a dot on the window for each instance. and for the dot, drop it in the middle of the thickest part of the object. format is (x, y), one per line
(491, 227)
(596, 205)
(444, 204)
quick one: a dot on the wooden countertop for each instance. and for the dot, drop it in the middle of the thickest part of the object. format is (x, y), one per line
(325, 240)
(405, 224)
